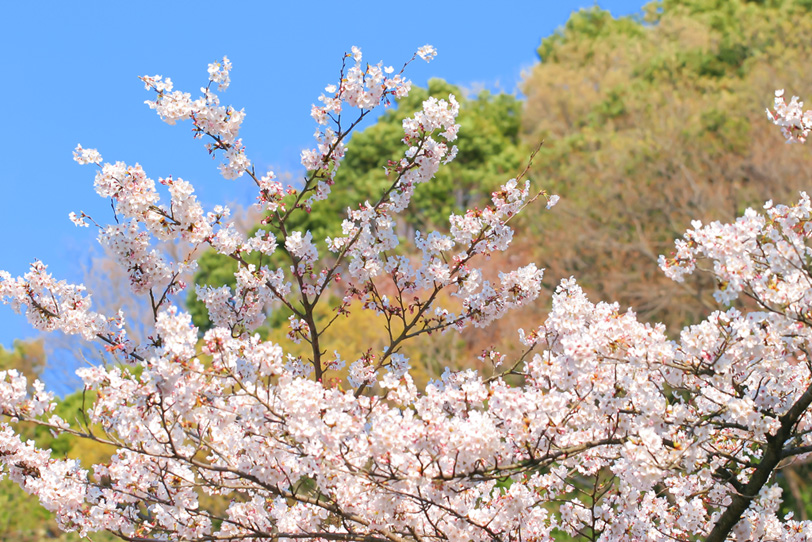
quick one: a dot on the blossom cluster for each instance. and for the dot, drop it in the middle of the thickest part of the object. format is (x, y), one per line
(221, 124)
(614, 432)
(795, 123)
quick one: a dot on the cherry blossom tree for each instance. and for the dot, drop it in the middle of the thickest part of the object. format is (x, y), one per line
(615, 432)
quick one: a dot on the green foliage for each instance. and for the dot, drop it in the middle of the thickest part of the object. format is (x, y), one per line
(489, 150)
(587, 28)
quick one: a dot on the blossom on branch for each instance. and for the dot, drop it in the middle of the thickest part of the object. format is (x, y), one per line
(603, 428)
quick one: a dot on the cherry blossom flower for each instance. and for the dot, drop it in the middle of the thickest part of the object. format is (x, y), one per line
(602, 427)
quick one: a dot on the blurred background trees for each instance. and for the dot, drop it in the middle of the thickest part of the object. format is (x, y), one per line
(650, 123)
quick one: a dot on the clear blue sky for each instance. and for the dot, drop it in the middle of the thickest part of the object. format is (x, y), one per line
(71, 69)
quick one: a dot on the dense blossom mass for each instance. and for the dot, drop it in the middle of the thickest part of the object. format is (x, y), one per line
(613, 432)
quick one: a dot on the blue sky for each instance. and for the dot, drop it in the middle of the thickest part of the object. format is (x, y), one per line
(71, 77)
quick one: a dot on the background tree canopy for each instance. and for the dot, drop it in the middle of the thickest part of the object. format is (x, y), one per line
(653, 122)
